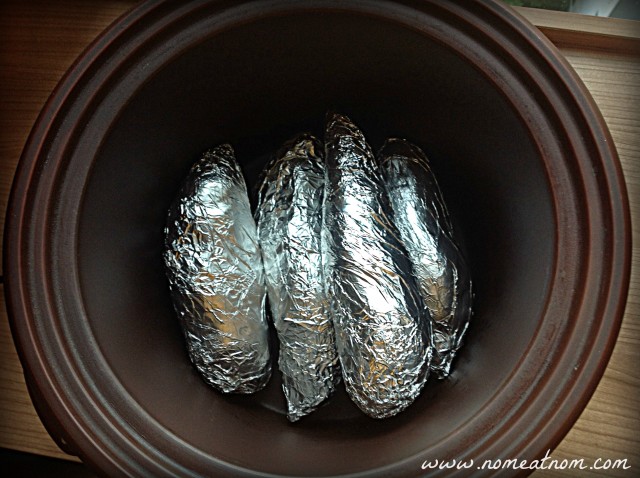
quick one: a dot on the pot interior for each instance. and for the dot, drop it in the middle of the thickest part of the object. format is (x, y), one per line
(254, 86)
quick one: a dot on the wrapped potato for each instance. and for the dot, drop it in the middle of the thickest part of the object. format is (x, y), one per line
(289, 219)
(382, 334)
(216, 277)
(423, 221)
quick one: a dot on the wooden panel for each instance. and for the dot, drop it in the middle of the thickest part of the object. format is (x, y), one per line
(39, 40)
(608, 427)
(20, 427)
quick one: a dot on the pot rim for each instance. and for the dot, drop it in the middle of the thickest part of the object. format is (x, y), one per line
(94, 430)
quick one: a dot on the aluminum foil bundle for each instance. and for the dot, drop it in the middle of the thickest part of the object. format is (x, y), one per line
(216, 275)
(289, 219)
(424, 225)
(382, 333)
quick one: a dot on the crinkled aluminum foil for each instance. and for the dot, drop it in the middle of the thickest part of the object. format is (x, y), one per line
(424, 225)
(216, 275)
(382, 335)
(289, 218)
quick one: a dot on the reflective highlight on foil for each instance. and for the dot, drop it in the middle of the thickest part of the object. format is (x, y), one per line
(289, 218)
(382, 335)
(425, 228)
(216, 276)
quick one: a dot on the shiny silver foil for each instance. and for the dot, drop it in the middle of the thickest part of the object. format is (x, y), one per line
(382, 334)
(289, 219)
(216, 275)
(424, 225)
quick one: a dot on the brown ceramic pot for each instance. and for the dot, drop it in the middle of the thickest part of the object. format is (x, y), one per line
(524, 159)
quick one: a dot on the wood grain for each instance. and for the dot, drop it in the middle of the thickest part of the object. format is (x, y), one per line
(608, 427)
(581, 24)
(20, 427)
(39, 41)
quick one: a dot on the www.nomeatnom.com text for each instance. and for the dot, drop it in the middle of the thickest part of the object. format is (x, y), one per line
(545, 463)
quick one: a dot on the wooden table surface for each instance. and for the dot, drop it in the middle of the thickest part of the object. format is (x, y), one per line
(39, 40)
